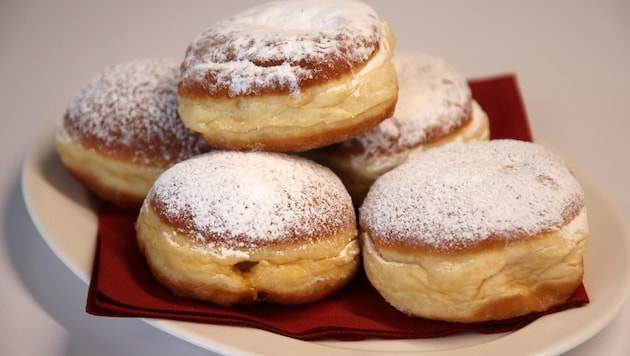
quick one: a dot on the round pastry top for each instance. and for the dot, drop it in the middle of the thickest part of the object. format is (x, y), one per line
(465, 195)
(433, 102)
(240, 199)
(280, 47)
(129, 110)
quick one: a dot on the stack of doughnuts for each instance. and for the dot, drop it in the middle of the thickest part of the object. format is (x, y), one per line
(251, 158)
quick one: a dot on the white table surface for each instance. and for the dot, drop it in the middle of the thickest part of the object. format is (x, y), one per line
(572, 59)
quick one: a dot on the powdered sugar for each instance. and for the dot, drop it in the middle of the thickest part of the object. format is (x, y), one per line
(461, 194)
(433, 101)
(245, 198)
(281, 45)
(130, 109)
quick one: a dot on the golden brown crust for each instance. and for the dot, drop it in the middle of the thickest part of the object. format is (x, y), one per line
(393, 246)
(200, 88)
(406, 246)
(280, 48)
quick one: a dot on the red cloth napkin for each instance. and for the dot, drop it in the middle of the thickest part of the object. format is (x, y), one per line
(123, 286)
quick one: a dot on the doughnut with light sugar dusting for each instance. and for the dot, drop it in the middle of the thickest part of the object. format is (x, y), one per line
(122, 130)
(473, 232)
(435, 107)
(289, 76)
(240, 228)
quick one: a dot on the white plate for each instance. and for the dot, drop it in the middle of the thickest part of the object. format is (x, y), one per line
(65, 215)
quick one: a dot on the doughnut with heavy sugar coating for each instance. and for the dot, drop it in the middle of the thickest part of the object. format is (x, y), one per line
(239, 228)
(122, 129)
(289, 76)
(474, 232)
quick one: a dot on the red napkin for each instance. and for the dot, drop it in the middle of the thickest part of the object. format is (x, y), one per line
(123, 286)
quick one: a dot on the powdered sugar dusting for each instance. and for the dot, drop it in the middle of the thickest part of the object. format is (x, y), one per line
(274, 45)
(245, 198)
(130, 109)
(433, 101)
(463, 193)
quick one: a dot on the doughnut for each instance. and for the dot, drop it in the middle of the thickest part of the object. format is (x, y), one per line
(434, 107)
(240, 228)
(122, 130)
(473, 232)
(289, 76)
